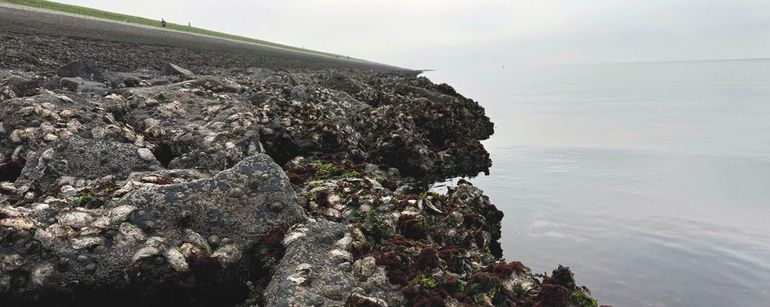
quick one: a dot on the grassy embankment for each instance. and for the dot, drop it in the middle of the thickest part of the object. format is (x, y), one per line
(85, 11)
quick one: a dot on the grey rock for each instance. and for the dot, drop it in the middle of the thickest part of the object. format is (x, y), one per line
(82, 158)
(132, 82)
(23, 87)
(136, 270)
(367, 300)
(75, 219)
(146, 155)
(86, 242)
(170, 69)
(307, 273)
(85, 69)
(10, 262)
(79, 84)
(365, 267)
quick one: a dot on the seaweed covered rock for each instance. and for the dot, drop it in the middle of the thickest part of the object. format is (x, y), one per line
(212, 122)
(158, 186)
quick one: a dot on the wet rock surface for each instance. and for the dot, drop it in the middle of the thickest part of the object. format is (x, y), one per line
(217, 186)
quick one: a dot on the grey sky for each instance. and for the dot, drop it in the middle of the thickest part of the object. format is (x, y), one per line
(449, 33)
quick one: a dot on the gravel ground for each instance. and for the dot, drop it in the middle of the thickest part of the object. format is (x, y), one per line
(26, 33)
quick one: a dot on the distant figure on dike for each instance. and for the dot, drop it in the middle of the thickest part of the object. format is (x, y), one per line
(162, 23)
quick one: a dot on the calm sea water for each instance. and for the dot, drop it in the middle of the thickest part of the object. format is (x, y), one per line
(651, 181)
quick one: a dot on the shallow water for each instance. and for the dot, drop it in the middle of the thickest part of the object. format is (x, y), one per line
(651, 181)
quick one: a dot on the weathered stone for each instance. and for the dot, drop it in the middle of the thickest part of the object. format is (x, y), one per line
(17, 223)
(243, 221)
(305, 274)
(176, 259)
(75, 219)
(172, 70)
(80, 85)
(339, 255)
(356, 299)
(132, 82)
(85, 69)
(119, 214)
(365, 267)
(86, 242)
(146, 154)
(24, 87)
(10, 262)
(130, 234)
(82, 158)
(302, 274)
(40, 273)
(227, 254)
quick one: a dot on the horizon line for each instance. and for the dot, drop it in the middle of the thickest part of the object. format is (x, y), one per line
(683, 61)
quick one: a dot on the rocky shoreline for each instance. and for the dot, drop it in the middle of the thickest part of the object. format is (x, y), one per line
(129, 180)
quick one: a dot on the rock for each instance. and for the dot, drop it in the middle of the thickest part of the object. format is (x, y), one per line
(85, 69)
(302, 274)
(176, 259)
(86, 242)
(75, 219)
(130, 234)
(355, 300)
(40, 273)
(147, 269)
(11, 262)
(306, 276)
(227, 254)
(80, 85)
(159, 191)
(363, 268)
(214, 240)
(49, 137)
(82, 158)
(170, 69)
(296, 232)
(198, 240)
(24, 87)
(144, 252)
(146, 155)
(119, 214)
(132, 82)
(339, 255)
(17, 223)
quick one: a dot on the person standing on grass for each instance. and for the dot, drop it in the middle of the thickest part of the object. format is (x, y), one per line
(162, 23)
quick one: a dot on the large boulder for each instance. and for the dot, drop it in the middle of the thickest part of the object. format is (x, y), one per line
(190, 243)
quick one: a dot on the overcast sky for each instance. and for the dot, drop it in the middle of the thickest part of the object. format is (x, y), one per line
(447, 33)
